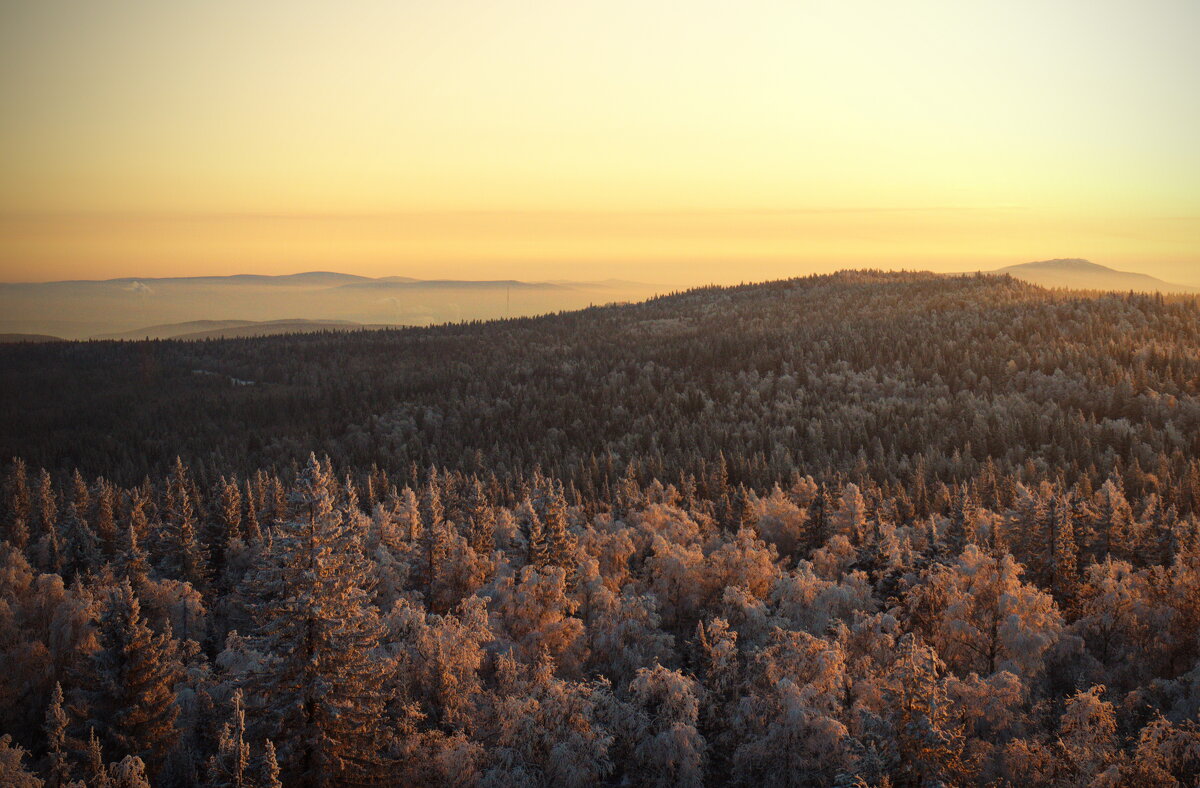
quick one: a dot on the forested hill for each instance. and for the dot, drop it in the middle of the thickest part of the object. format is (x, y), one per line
(855, 371)
(861, 530)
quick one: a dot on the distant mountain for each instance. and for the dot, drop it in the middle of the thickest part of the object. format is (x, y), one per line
(226, 329)
(309, 278)
(273, 327)
(171, 330)
(603, 284)
(9, 338)
(1077, 274)
(160, 307)
(393, 283)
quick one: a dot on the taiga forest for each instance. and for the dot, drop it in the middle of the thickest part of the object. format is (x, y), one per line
(860, 530)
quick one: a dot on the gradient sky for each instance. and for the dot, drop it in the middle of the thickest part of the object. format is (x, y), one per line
(676, 142)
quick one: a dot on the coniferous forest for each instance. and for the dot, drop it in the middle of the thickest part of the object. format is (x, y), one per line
(857, 530)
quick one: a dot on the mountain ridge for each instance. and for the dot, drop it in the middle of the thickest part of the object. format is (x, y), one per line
(136, 307)
(224, 329)
(1075, 273)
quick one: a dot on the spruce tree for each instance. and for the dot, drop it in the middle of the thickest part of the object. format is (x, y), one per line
(250, 525)
(105, 521)
(817, 529)
(432, 539)
(960, 530)
(49, 540)
(537, 550)
(132, 564)
(557, 543)
(629, 491)
(270, 768)
(185, 556)
(1113, 526)
(128, 689)
(743, 513)
(229, 766)
(481, 520)
(16, 525)
(97, 772)
(81, 547)
(1060, 572)
(320, 685)
(58, 768)
(225, 525)
(929, 741)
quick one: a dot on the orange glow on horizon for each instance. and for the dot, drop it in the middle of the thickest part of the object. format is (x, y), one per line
(713, 142)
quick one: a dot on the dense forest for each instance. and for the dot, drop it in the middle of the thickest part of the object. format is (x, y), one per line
(854, 530)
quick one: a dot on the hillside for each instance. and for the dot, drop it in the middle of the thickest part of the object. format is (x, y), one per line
(1078, 274)
(782, 375)
(884, 529)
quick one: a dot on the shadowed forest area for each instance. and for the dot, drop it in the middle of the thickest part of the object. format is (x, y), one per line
(863, 529)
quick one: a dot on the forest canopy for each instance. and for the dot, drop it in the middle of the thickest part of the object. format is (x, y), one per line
(864, 529)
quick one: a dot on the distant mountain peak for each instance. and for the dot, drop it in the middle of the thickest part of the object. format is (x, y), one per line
(1078, 274)
(1065, 265)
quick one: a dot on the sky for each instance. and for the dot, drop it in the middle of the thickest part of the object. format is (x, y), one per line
(675, 142)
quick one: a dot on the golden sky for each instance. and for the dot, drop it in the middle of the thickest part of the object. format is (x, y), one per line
(676, 142)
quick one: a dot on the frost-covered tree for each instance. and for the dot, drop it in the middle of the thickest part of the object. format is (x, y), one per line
(185, 556)
(132, 562)
(789, 724)
(781, 522)
(1112, 611)
(439, 658)
(230, 766)
(961, 526)
(17, 512)
(1052, 549)
(622, 630)
(1088, 731)
(127, 692)
(270, 768)
(980, 616)
(48, 543)
(224, 533)
(12, 769)
(319, 686)
(850, 518)
(58, 767)
(537, 616)
(544, 731)
(106, 517)
(928, 740)
(669, 749)
(555, 544)
(46, 634)
(80, 545)
(819, 528)
(481, 519)
(1113, 525)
